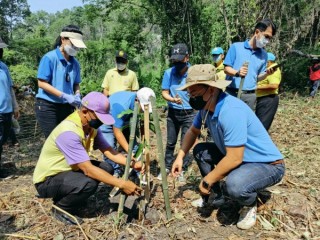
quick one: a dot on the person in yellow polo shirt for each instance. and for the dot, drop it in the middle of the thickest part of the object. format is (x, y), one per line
(120, 78)
(217, 54)
(64, 171)
(267, 94)
(117, 79)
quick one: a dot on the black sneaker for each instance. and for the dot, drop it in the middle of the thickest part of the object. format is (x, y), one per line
(62, 217)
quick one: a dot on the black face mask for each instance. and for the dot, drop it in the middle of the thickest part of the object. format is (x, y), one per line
(179, 66)
(95, 123)
(197, 102)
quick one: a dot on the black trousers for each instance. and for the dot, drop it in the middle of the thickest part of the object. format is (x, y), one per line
(50, 114)
(5, 126)
(266, 109)
(70, 189)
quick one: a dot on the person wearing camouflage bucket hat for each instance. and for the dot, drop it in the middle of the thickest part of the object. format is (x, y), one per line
(242, 150)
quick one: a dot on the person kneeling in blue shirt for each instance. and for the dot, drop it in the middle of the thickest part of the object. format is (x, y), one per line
(242, 150)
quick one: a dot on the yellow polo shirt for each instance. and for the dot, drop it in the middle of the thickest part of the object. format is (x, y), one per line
(274, 78)
(51, 160)
(115, 81)
(220, 71)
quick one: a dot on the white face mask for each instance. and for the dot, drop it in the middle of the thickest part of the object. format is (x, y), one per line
(71, 50)
(261, 42)
(121, 66)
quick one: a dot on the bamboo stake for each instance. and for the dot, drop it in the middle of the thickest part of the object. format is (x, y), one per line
(131, 142)
(161, 158)
(147, 151)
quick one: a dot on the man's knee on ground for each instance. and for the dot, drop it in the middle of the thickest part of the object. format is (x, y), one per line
(198, 151)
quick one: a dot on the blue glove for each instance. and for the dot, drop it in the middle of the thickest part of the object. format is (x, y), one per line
(70, 99)
(77, 98)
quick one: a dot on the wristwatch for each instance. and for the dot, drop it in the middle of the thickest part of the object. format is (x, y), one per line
(206, 185)
(237, 74)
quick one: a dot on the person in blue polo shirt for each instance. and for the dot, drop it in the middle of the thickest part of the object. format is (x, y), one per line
(58, 80)
(8, 104)
(120, 102)
(242, 150)
(180, 113)
(251, 51)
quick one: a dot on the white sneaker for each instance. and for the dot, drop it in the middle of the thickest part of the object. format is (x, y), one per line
(198, 203)
(159, 177)
(247, 218)
(181, 178)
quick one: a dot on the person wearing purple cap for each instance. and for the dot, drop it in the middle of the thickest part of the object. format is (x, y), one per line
(64, 171)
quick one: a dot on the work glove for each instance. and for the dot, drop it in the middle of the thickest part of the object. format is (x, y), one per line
(71, 99)
(78, 99)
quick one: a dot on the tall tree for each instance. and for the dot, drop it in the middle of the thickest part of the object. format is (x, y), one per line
(12, 12)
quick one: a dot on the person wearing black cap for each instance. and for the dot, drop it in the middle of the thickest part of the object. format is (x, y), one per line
(180, 113)
(120, 78)
(59, 79)
(117, 79)
(8, 104)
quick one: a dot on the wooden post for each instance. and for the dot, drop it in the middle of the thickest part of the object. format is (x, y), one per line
(126, 171)
(161, 158)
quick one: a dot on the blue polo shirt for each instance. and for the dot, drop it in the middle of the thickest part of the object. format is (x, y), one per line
(171, 81)
(59, 73)
(5, 86)
(119, 102)
(247, 130)
(241, 52)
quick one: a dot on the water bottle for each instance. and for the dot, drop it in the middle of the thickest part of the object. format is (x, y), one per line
(15, 125)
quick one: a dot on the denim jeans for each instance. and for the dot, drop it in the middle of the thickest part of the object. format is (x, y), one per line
(5, 126)
(244, 182)
(314, 87)
(177, 120)
(266, 109)
(71, 188)
(107, 132)
(50, 114)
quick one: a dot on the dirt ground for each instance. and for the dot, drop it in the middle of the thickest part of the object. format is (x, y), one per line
(289, 210)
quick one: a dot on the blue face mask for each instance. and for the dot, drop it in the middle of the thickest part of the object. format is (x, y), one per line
(216, 58)
(179, 66)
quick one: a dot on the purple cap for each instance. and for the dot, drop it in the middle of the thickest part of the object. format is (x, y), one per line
(98, 103)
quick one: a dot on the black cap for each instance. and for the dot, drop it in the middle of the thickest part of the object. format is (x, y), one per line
(178, 52)
(122, 54)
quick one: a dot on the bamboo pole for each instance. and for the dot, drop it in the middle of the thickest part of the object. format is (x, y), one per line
(161, 158)
(127, 168)
(146, 121)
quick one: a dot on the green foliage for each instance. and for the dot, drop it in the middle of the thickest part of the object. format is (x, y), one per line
(23, 75)
(147, 29)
